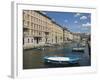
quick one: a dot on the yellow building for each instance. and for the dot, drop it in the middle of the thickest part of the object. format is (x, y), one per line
(70, 36)
(65, 35)
(36, 28)
(57, 33)
(39, 30)
(76, 37)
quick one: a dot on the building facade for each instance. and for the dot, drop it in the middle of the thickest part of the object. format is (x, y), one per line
(36, 28)
(70, 36)
(41, 30)
(56, 33)
(65, 35)
(76, 37)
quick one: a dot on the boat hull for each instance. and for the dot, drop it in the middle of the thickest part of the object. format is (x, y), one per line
(78, 50)
(61, 62)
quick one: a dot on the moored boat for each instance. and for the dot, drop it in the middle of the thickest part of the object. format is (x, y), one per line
(61, 60)
(78, 49)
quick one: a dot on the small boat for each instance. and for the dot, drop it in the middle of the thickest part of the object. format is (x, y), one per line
(61, 60)
(78, 49)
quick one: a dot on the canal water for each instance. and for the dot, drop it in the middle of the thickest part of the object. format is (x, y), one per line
(34, 58)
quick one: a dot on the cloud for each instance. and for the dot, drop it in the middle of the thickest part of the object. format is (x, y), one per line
(75, 21)
(86, 25)
(77, 14)
(83, 17)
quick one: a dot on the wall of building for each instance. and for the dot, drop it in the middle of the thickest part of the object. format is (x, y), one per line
(57, 34)
(40, 30)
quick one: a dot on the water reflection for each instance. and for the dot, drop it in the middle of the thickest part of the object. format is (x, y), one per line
(33, 58)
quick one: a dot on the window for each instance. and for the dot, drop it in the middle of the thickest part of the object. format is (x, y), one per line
(32, 24)
(39, 33)
(27, 23)
(28, 41)
(36, 27)
(32, 40)
(28, 16)
(31, 18)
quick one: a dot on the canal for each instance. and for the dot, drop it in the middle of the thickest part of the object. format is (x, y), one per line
(34, 58)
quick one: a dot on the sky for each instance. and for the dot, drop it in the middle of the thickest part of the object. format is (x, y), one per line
(74, 21)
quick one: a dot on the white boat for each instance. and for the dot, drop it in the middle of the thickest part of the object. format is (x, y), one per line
(61, 60)
(81, 49)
